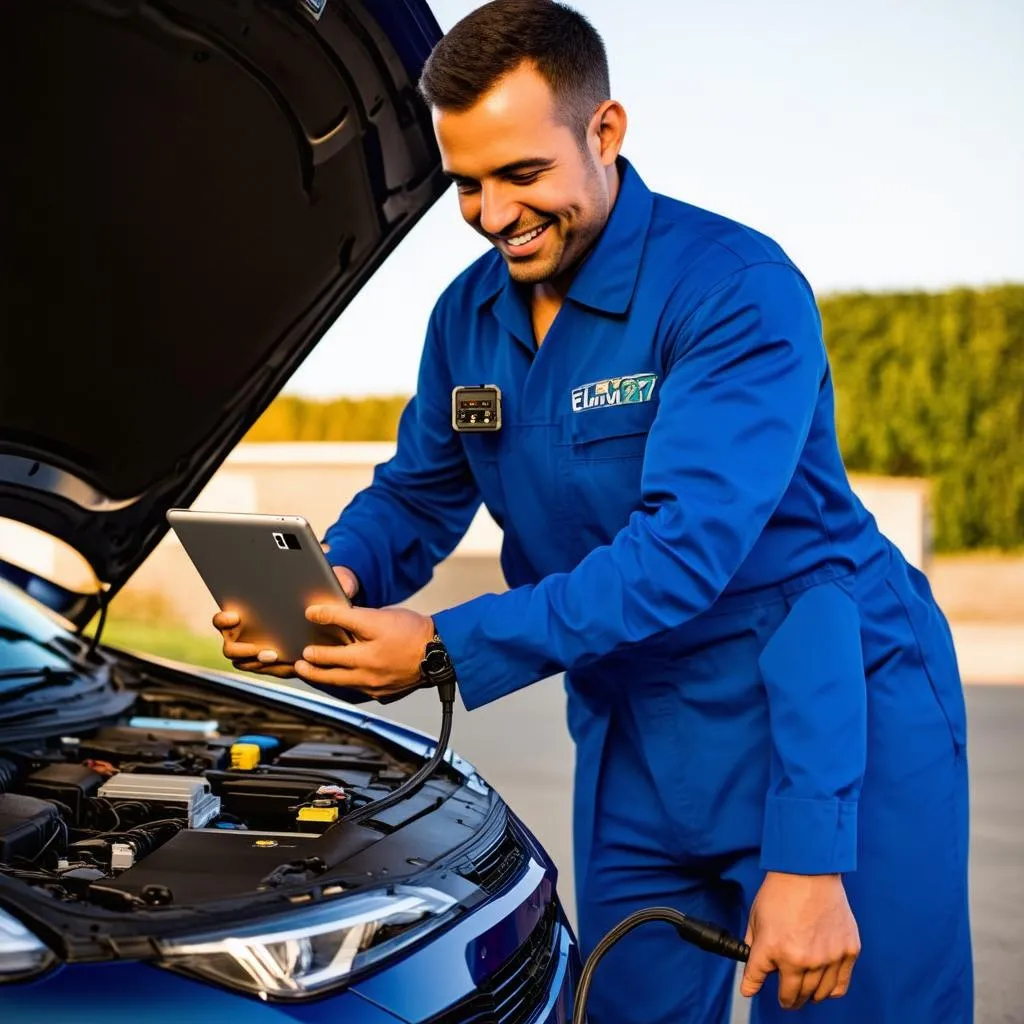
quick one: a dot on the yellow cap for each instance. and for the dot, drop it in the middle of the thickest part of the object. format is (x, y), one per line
(318, 814)
(245, 756)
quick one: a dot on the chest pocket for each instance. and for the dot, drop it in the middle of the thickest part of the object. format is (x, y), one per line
(611, 434)
(604, 463)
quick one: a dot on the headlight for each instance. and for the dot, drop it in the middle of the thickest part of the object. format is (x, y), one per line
(314, 949)
(22, 955)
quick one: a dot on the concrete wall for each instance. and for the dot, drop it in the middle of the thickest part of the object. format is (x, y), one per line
(318, 480)
(902, 507)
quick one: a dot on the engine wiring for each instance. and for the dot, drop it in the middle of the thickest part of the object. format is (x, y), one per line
(86, 810)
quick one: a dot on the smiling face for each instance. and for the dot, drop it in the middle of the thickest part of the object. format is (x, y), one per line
(524, 180)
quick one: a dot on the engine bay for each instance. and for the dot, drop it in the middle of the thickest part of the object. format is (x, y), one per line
(190, 797)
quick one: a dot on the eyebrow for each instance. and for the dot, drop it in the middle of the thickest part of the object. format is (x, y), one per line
(530, 163)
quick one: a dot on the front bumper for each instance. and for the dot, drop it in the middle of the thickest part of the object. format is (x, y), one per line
(514, 960)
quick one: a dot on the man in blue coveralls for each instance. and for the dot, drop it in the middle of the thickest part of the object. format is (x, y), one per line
(764, 697)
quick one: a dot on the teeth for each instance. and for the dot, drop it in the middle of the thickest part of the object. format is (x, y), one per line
(523, 239)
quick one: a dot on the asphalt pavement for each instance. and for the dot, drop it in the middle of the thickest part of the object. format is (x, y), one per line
(520, 746)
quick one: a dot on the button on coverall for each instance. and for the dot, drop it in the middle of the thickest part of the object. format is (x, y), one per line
(757, 680)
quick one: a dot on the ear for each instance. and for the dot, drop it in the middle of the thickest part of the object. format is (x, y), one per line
(607, 131)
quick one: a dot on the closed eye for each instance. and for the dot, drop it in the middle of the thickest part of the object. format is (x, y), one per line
(524, 179)
(519, 172)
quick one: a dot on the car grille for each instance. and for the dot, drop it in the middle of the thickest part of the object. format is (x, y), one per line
(513, 993)
(496, 865)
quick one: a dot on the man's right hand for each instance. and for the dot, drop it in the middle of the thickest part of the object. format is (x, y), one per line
(248, 657)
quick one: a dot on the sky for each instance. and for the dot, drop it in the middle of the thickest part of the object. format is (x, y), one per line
(881, 144)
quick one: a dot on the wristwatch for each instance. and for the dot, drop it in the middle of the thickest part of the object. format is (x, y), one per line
(436, 666)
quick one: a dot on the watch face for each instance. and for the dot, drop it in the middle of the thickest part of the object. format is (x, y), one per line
(436, 661)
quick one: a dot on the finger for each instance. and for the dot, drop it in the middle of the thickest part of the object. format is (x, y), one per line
(757, 969)
(347, 656)
(344, 616)
(229, 633)
(351, 678)
(843, 981)
(828, 981)
(808, 986)
(266, 657)
(226, 620)
(348, 584)
(235, 651)
(790, 982)
(325, 548)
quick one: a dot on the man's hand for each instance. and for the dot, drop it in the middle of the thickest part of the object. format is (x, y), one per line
(347, 578)
(247, 657)
(385, 659)
(801, 926)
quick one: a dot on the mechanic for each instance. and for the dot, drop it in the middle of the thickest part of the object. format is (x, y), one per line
(764, 697)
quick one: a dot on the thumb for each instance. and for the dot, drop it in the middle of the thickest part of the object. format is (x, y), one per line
(757, 968)
(754, 974)
(345, 616)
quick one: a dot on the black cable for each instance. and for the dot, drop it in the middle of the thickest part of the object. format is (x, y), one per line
(446, 691)
(700, 933)
(60, 828)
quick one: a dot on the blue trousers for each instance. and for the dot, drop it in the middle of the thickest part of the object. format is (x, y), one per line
(670, 780)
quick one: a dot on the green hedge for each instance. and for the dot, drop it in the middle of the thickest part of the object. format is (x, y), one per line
(932, 385)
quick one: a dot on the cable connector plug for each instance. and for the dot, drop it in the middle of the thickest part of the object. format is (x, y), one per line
(706, 936)
(446, 691)
(712, 938)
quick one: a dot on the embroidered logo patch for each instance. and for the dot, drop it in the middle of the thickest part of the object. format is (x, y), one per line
(615, 391)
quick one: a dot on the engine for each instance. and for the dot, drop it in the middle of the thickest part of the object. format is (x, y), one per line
(148, 809)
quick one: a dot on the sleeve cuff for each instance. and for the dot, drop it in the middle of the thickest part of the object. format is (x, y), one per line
(809, 837)
(480, 679)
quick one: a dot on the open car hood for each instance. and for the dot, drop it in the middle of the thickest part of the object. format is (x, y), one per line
(192, 192)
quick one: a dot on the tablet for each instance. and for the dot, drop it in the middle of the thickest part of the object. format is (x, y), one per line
(268, 569)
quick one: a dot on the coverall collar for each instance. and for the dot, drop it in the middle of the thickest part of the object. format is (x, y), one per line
(607, 279)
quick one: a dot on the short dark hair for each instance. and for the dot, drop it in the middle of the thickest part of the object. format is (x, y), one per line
(498, 37)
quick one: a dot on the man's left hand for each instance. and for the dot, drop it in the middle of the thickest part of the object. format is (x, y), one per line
(801, 926)
(385, 660)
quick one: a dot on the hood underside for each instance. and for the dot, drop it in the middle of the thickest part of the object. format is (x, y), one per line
(192, 192)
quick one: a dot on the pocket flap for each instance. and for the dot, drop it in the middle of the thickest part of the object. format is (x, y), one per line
(611, 421)
(814, 674)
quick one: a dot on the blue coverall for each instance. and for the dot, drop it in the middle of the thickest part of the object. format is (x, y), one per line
(756, 679)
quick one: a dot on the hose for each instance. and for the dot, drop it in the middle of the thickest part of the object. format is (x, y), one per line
(699, 933)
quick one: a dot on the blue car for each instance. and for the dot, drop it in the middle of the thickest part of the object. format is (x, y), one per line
(193, 191)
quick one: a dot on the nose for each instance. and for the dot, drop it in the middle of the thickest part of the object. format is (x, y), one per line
(498, 211)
